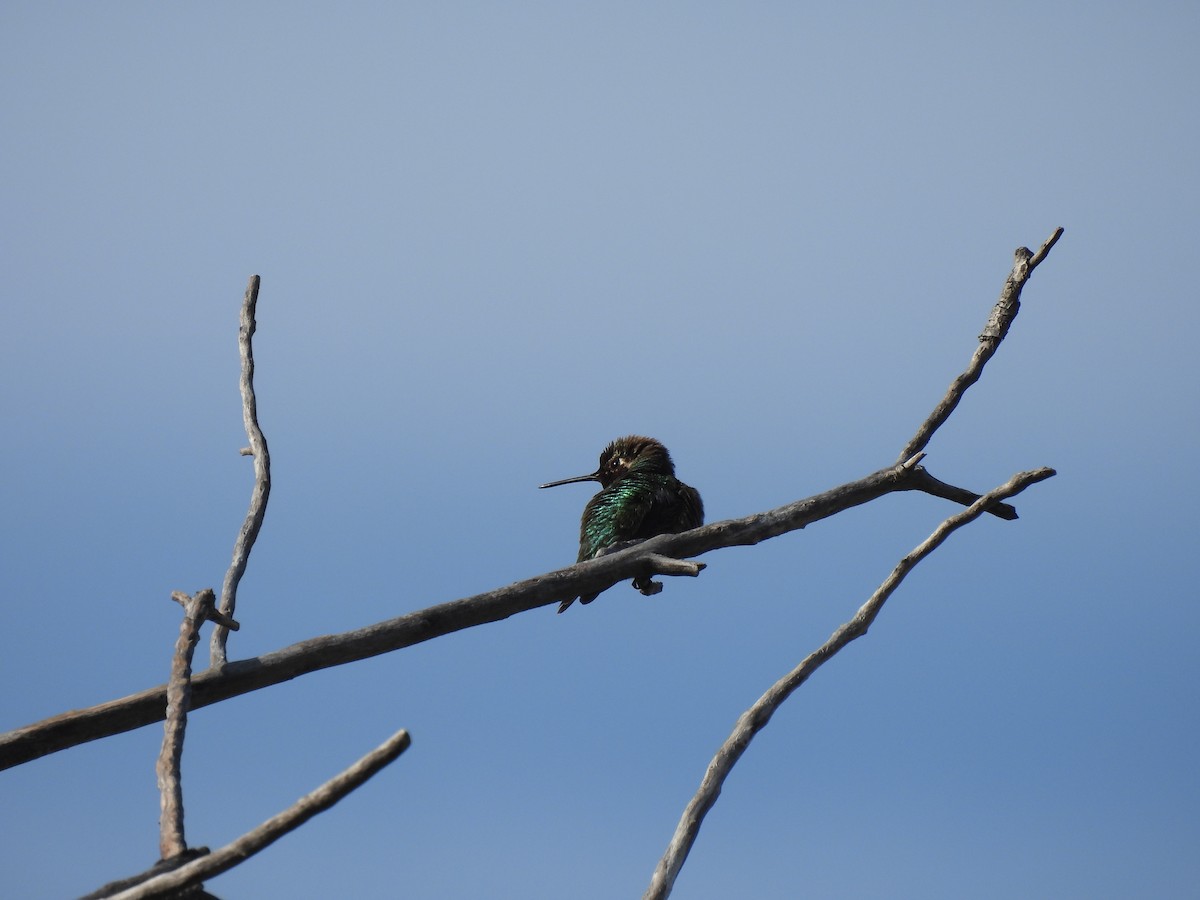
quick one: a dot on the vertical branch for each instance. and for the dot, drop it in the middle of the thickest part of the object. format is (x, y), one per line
(179, 695)
(262, 475)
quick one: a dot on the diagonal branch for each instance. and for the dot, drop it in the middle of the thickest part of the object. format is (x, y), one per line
(242, 676)
(994, 332)
(237, 852)
(262, 474)
(756, 717)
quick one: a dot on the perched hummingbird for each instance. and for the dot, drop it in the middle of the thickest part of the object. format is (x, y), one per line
(639, 497)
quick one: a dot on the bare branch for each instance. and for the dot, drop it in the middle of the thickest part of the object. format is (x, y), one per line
(220, 683)
(262, 475)
(994, 332)
(273, 829)
(756, 717)
(210, 615)
(170, 840)
(196, 610)
(241, 676)
(1044, 250)
(926, 483)
(665, 565)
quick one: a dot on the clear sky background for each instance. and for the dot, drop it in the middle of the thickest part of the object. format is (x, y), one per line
(492, 238)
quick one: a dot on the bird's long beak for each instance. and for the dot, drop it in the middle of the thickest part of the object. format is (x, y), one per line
(595, 476)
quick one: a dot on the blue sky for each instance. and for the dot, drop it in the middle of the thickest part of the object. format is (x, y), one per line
(493, 237)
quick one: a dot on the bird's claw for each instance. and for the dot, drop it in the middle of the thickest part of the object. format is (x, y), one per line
(648, 586)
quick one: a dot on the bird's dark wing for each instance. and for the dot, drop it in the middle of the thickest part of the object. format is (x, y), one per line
(691, 513)
(674, 507)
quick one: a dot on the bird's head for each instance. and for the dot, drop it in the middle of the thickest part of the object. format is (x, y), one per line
(625, 455)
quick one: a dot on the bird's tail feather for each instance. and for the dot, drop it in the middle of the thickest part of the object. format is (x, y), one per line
(587, 598)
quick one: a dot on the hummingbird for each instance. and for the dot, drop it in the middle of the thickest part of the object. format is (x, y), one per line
(639, 497)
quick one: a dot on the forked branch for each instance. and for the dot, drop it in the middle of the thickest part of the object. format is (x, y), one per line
(232, 854)
(756, 717)
(196, 611)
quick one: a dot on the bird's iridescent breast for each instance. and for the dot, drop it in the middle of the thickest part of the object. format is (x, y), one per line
(638, 506)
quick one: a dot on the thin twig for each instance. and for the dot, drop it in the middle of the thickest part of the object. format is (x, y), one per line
(273, 829)
(999, 321)
(262, 474)
(657, 564)
(196, 610)
(1044, 250)
(925, 483)
(756, 717)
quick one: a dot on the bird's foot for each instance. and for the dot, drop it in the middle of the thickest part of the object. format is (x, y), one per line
(647, 586)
